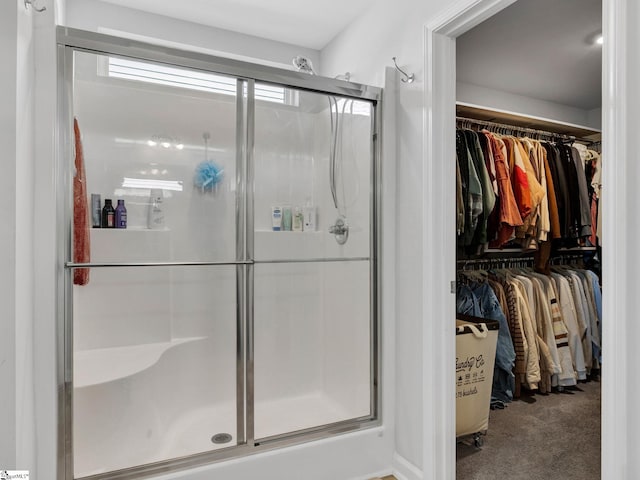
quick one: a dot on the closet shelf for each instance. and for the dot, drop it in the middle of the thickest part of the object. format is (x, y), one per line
(102, 365)
(478, 112)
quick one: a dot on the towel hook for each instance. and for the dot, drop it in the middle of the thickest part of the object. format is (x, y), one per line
(408, 77)
(31, 3)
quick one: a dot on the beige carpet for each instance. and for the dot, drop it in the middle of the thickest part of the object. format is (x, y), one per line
(539, 437)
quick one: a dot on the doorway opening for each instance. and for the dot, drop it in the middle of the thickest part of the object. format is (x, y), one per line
(441, 38)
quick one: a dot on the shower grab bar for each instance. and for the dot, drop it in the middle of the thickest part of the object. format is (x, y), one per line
(316, 260)
(154, 264)
(205, 264)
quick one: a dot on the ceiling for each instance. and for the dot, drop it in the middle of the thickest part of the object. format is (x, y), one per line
(310, 24)
(535, 48)
(539, 49)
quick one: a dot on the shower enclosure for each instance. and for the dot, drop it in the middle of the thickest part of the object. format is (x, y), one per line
(224, 324)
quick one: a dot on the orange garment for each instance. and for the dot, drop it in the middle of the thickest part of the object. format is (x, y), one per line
(509, 212)
(535, 189)
(519, 179)
(81, 238)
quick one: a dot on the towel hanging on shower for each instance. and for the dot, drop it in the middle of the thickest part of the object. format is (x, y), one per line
(81, 234)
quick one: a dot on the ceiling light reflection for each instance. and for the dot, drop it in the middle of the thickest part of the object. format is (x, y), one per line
(150, 183)
(179, 146)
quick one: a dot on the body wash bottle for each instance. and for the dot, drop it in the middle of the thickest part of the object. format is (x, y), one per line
(297, 219)
(309, 213)
(155, 220)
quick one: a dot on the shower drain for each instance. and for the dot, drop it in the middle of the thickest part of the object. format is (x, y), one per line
(221, 438)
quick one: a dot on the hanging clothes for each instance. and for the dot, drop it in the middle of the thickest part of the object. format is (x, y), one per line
(509, 214)
(552, 324)
(526, 193)
(471, 190)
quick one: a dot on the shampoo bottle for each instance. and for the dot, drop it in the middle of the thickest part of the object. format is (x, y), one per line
(108, 214)
(121, 215)
(276, 219)
(155, 220)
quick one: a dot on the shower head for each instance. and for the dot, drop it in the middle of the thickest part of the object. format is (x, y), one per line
(303, 64)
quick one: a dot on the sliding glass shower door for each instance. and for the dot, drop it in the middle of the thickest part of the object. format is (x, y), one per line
(220, 282)
(155, 322)
(312, 293)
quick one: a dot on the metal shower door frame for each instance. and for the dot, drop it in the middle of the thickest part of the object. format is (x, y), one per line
(73, 40)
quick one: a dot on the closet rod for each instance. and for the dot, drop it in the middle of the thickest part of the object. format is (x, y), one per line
(595, 145)
(514, 128)
(555, 260)
(473, 261)
(565, 259)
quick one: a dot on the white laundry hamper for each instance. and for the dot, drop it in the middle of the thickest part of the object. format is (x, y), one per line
(476, 340)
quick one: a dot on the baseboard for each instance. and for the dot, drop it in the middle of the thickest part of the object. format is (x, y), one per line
(403, 469)
(375, 476)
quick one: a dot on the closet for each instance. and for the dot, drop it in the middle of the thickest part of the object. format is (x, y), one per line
(528, 230)
(528, 253)
(535, 195)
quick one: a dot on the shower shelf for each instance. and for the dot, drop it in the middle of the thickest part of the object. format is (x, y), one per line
(289, 232)
(102, 365)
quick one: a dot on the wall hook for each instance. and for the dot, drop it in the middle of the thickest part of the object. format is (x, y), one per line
(30, 3)
(408, 78)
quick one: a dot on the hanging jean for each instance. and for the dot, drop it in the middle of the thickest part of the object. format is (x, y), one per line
(480, 300)
(467, 303)
(503, 378)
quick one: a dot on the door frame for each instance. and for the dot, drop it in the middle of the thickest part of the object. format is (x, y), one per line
(439, 233)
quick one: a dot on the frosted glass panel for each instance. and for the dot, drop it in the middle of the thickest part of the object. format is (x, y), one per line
(154, 365)
(312, 345)
(140, 134)
(296, 151)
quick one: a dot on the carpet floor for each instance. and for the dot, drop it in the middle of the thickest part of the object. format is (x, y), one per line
(539, 437)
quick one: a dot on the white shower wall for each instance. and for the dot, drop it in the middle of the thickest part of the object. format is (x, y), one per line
(292, 158)
(312, 343)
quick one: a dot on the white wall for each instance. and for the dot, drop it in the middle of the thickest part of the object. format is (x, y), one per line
(594, 118)
(94, 15)
(8, 126)
(46, 307)
(17, 448)
(24, 218)
(490, 98)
